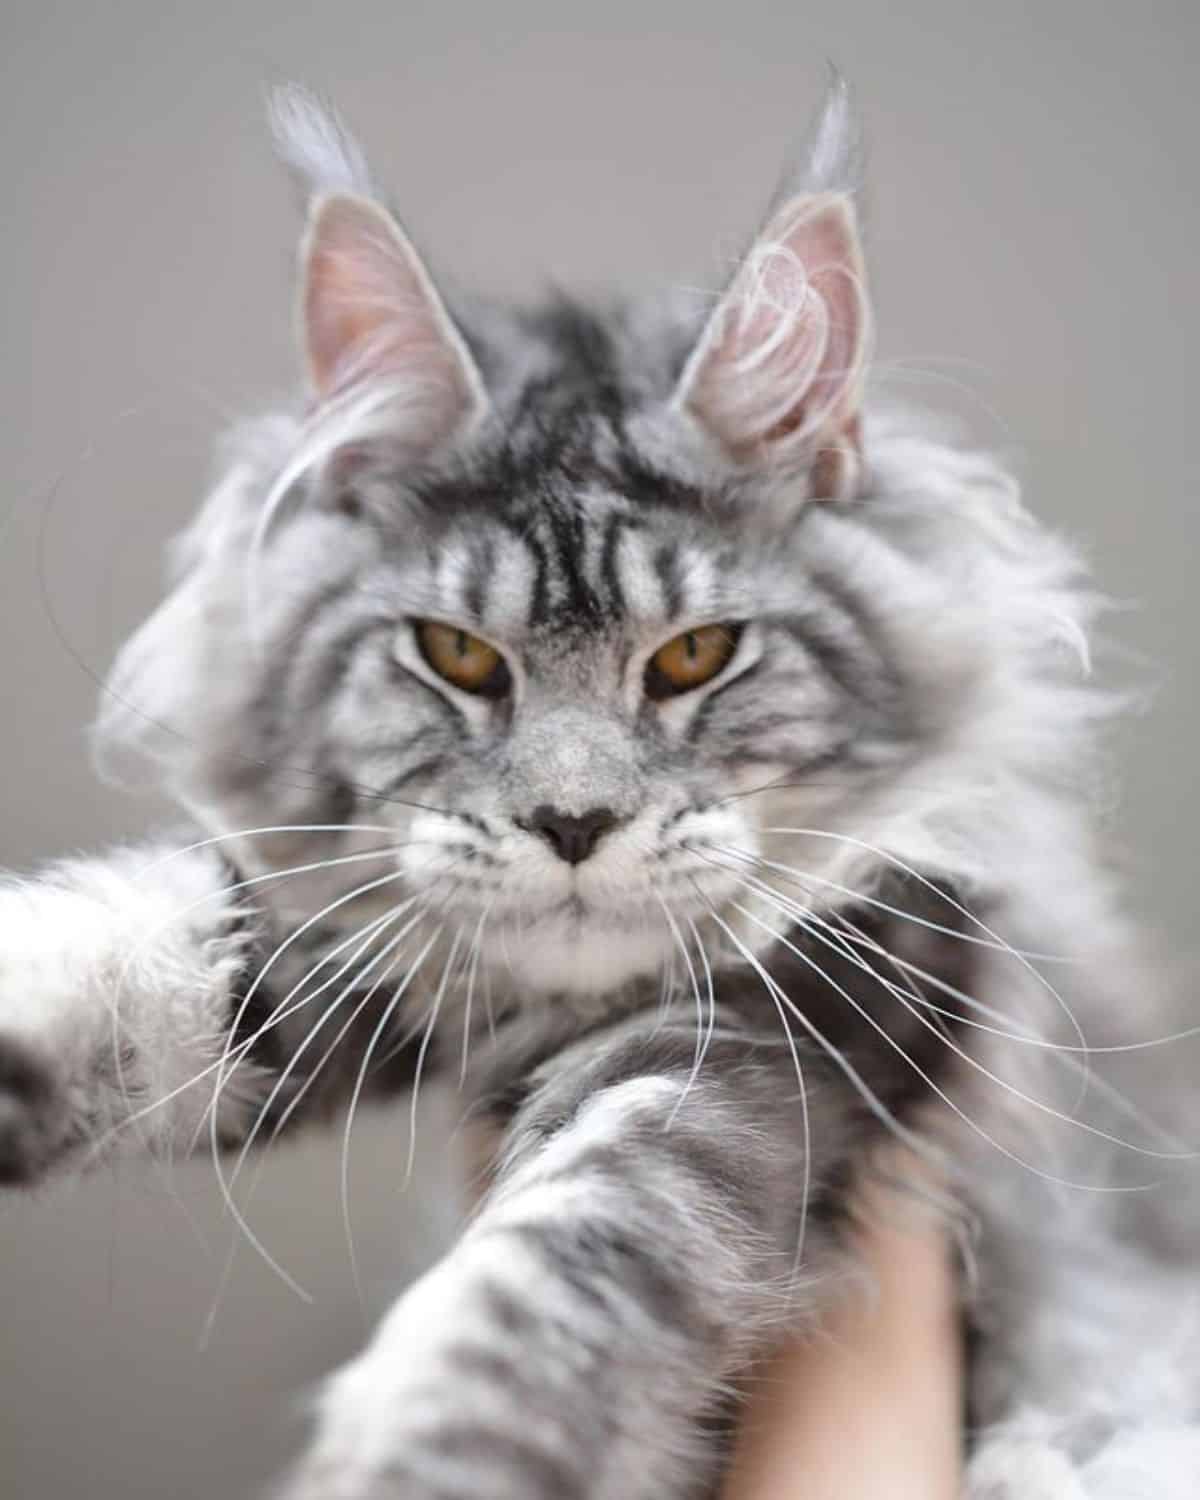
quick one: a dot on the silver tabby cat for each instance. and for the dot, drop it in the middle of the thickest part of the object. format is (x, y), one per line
(620, 708)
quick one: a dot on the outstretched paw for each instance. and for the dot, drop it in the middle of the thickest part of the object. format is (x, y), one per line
(33, 1114)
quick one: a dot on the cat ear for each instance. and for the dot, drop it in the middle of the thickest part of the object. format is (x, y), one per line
(370, 314)
(777, 374)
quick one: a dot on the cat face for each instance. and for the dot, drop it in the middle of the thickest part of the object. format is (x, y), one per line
(584, 682)
(591, 610)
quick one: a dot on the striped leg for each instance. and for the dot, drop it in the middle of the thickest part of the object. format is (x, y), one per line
(636, 1247)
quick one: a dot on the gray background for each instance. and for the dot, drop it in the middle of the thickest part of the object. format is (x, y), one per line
(1034, 225)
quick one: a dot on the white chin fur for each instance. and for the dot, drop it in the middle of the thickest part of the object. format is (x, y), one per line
(578, 958)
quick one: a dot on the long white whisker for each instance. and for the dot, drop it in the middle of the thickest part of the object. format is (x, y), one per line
(222, 1070)
(364, 936)
(995, 1078)
(1023, 959)
(806, 917)
(278, 1016)
(246, 833)
(810, 922)
(711, 993)
(1058, 1052)
(242, 1226)
(473, 969)
(276, 955)
(993, 941)
(392, 949)
(134, 954)
(677, 936)
(381, 1026)
(924, 1076)
(1027, 1039)
(1088, 1077)
(806, 914)
(777, 995)
(418, 1073)
(420, 1068)
(235, 1212)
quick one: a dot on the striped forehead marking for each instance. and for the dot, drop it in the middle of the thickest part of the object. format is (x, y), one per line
(583, 563)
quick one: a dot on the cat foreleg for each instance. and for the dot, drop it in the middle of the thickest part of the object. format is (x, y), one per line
(117, 975)
(628, 1262)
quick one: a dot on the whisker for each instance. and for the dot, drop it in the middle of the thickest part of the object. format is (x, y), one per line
(803, 914)
(489, 1013)
(240, 1221)
(134, 955)
(217, 1065)
(242, 1227)
(777, 995)
(418, 1072)
(262, 832)
(1028, 1038)
(411, 1032)
(278, 953)
(389, 948)
(1023, 959)
(1093, 1049)
(678, 939)
(388, 1011)
(393, 946)
(276, 1018)
(223, 1068)
(930, 885)
(997, 944)
(712, 998)
(806, 919)
(1009, 1088)
(434, 1011)
(1057, 1052)
(473, 969)
(925, 1078)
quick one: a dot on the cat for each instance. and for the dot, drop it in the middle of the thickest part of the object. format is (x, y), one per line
(625, 710)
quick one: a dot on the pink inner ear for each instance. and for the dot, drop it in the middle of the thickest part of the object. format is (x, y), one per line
(780, 365)
(370, 312)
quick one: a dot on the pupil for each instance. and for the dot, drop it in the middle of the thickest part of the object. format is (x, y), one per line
(691, 644)
(461, 643)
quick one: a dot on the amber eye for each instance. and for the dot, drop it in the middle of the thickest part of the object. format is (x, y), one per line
(463, 659)
(691, 660)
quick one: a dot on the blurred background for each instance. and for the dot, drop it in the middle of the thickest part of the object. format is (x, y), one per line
(1033, 223)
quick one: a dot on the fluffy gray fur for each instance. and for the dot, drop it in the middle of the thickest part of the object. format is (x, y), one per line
(805, 924)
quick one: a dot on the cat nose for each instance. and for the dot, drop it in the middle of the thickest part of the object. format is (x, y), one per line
(572, 839)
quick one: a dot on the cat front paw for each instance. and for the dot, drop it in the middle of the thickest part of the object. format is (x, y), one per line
(33, 1114)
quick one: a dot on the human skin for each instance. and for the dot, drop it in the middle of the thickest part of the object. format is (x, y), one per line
(870, 1407)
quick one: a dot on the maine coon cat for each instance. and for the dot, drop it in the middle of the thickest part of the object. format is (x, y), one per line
(621, 709)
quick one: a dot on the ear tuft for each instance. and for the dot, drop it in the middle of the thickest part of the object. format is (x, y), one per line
(831, 158)
(314, 144)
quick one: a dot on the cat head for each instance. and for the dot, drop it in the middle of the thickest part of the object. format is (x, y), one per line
(596, 610)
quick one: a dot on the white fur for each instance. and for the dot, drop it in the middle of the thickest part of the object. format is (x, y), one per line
(133, 952)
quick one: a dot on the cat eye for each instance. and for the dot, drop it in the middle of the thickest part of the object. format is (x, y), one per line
(463, 659)
(690, 660)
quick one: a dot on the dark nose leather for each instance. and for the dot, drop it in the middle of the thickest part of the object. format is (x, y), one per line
(572, 839)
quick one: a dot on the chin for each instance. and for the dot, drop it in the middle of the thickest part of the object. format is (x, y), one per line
(579, 953)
